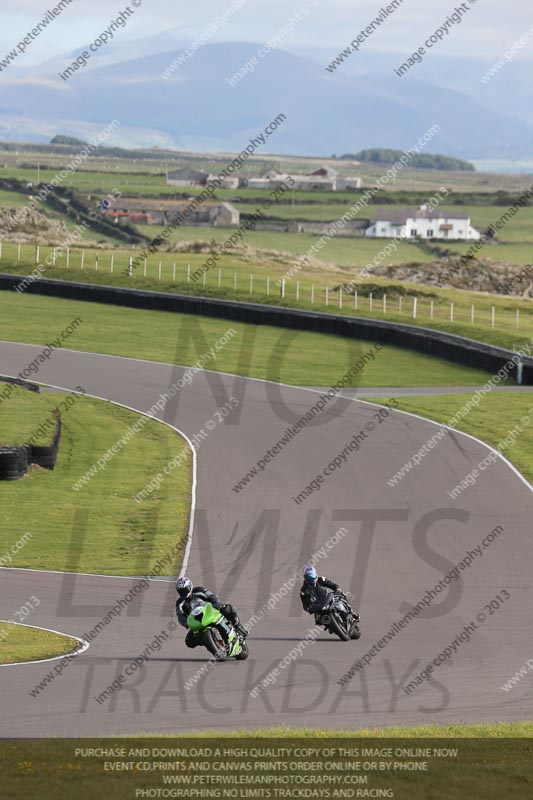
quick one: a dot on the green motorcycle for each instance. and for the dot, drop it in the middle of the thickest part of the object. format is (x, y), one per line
(215, 632)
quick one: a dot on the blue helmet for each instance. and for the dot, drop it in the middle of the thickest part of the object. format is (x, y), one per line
(310, 576)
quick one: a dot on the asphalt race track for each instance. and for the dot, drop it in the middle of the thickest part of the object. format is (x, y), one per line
(399, 542)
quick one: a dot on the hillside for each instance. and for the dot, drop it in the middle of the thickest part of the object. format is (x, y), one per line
(197, 109)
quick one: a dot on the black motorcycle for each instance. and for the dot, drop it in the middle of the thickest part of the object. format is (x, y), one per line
(332, 610)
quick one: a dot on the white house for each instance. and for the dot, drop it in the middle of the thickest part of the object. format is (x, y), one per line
(422, 223)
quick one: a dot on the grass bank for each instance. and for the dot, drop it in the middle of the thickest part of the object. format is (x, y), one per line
(99, 527)
(22, 415)
(299, 358)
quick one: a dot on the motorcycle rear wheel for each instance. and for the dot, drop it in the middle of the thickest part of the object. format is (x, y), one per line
(212, 639)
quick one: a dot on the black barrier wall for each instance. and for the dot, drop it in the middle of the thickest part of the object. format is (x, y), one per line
(46, 455)
(16, 461)
(424, 340)
(19, 382)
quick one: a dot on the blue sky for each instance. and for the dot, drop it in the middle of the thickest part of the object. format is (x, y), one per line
(489, 28)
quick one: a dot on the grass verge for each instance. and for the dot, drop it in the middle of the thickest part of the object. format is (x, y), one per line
(299, 358)
(483, 761)
(22, 643)
(99, 528)
(496, 417)
(504, 730)
(22, 415)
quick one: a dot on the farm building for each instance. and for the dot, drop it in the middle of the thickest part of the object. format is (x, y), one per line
(324, 178)
(186, 176)
(163, 212)
(334, 181)
(229, 182)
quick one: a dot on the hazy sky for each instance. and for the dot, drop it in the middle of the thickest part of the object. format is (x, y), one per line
(488, 29)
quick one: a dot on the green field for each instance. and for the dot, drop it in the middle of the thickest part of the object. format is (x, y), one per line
(279, 248)
(22, 643)
(145, 172)
(100, 528)
(339, 250)
(491, 421)
(518, 228)
(22, 415)
(305, 288)
(297, 358)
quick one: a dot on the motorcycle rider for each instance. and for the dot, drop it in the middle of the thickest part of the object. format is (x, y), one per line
(311, 580)
(187, 592)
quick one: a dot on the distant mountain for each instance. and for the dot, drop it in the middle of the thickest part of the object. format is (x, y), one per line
(510, 90)
(197, 109)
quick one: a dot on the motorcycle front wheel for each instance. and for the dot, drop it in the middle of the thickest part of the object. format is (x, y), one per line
(243, 655)
(212, 639)
(355, 632)
(338, 627)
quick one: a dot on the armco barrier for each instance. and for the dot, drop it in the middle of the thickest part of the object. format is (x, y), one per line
(424, 340)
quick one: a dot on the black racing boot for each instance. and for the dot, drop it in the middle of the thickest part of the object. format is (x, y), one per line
(239, 627)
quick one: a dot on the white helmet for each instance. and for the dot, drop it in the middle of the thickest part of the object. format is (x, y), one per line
(184, 587)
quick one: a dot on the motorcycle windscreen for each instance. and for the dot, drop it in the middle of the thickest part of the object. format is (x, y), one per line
(195, 620)
(319, 598)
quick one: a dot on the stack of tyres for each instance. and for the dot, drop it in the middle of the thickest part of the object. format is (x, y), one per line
(14, 462)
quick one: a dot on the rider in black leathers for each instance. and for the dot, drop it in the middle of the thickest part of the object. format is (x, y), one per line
(187, 592)
(307, 588)
(311, 580)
